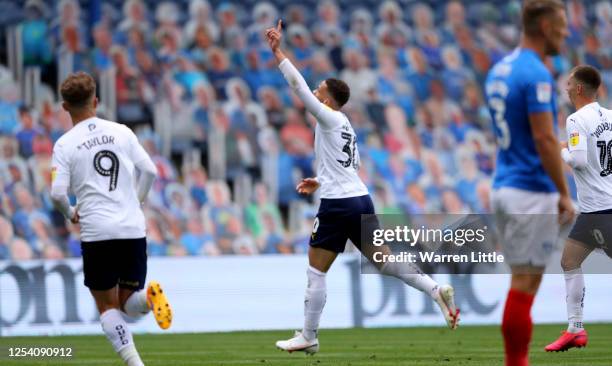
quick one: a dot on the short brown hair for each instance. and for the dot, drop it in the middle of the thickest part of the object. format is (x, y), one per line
(588, 76)
(78, 89)
(338, 90)
(534, 10)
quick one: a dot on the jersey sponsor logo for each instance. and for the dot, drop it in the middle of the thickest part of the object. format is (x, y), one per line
(574, 139)
(543, 92)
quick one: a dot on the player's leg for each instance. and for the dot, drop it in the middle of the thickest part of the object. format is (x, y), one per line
(517, 325)
(409, 273)
(101, 277)
(115, 327)
(574, 254)
(319, 262)
(133, 303)
(328, 238)
(528, 228)
(133, 299)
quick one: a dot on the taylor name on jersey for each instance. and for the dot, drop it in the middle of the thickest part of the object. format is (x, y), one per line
(97, 141)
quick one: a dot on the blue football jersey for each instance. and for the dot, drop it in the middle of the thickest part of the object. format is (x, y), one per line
(517, 86)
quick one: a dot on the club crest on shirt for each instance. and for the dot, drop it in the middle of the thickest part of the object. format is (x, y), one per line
(574, 139)
(543, 92)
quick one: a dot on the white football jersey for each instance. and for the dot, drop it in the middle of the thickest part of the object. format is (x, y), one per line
(335, 142)
(96, 160)
(590, 129)
(338, 158)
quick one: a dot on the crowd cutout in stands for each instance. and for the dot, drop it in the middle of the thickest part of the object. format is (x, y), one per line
(416, 78)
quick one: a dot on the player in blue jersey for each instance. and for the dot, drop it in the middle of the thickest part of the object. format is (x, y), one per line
(530, 195)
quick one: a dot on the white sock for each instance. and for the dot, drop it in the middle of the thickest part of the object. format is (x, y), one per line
(130, 356)
(120, 337)
(136, 305)
(411, 275)
(574, 288)
(314, 301)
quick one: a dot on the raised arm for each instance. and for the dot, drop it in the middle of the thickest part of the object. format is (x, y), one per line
(296, 81)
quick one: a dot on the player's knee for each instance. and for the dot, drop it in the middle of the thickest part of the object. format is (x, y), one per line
(569, 263)
(528, 283)
(105, 303)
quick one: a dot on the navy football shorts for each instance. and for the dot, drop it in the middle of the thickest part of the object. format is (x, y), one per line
(108, 263)
(339, 219)
(594, 229)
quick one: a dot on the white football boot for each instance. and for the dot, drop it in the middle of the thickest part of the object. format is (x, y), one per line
(446, 301)
(299, 344)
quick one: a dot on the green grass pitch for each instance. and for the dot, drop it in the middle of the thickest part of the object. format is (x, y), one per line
(469, 345)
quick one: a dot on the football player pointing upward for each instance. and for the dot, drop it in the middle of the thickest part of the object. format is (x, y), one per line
(96, 160)
(344, 198)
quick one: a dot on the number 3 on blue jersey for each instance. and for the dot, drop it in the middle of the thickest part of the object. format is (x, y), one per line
(497, 91)
(502, 131)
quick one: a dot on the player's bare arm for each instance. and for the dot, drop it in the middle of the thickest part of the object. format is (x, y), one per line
(547, 147)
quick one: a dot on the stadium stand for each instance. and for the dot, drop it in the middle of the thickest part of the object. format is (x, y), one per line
(197, 83)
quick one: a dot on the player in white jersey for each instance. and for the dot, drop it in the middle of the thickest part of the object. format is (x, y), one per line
(97, 160)
(589, 151)
(344, 198)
